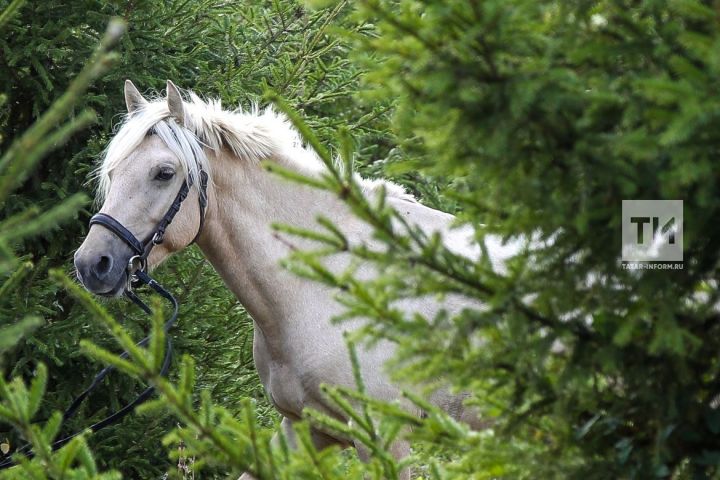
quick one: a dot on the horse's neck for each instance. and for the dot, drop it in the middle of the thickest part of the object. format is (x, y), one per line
(239, 241)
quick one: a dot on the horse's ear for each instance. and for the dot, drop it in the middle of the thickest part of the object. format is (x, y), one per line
(133, 98)
(175, 103)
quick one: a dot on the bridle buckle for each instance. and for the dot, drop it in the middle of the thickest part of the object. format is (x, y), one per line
(158, 238)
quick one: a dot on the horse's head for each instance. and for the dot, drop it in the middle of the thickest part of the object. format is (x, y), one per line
(144, 168)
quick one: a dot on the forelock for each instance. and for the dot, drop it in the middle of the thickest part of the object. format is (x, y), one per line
(153, 118)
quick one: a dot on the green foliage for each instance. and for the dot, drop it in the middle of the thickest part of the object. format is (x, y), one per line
(215, 436)
(218, 49)
(545, 115)
(19, 404)
(527, 119)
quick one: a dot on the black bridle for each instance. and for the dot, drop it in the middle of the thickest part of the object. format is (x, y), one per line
(136, 276)
(142, 249)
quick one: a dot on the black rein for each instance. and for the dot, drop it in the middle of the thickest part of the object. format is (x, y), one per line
(137, 276)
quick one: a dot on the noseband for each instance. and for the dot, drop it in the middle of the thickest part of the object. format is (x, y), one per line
(136, 275)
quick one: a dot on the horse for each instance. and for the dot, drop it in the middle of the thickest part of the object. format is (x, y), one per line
(164, 142)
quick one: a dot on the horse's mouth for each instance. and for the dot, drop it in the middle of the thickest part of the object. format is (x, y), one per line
(113, 292)
(116, 291)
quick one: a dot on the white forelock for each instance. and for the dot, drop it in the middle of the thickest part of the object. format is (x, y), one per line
(251, 136)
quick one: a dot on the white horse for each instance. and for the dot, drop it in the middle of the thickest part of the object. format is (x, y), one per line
(296, 346)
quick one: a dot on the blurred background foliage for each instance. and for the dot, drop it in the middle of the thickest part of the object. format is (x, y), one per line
(524, 118)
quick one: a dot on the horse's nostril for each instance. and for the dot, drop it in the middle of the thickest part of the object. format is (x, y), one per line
(103, 266)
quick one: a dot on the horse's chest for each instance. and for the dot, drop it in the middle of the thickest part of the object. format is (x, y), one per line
(291, 380)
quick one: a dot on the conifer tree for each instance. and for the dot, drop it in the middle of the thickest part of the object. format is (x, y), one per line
(542, 117)
(526, 119)
(216, 49)
(19, 403)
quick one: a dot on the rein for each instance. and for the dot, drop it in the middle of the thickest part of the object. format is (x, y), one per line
(137, 275)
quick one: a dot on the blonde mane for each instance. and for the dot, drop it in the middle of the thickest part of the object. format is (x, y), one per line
(252, 136)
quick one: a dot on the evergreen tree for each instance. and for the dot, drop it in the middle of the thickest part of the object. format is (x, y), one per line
(217, 49)
(18, 402)
(528, 120)
(544, 116)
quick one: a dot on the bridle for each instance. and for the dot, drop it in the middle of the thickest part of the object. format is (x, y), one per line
(138, 263)
(137, 275)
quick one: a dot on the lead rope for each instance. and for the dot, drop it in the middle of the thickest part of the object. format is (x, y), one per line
(142, 278)
(136, 277)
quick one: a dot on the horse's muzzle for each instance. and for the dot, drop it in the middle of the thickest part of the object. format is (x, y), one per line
(102, 265)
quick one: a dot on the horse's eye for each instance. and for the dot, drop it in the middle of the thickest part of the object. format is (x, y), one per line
(165, 174)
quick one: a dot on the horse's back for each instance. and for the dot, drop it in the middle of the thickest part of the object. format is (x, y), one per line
(460, 239)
